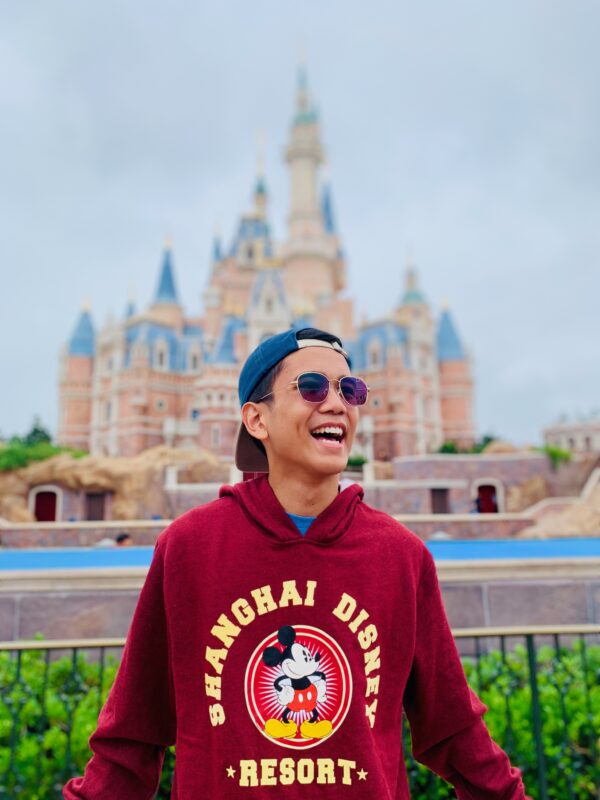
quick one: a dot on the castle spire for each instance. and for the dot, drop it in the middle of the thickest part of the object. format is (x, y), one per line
(83, 338)
(260, 187)
(304, 156)
(165, 291)
(412, 291)
(217, 251)
(449, 345)
(327, 209)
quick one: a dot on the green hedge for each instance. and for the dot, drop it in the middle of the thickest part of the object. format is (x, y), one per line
(43, 742)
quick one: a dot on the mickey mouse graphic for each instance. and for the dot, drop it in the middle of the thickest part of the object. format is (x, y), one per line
(300, 688)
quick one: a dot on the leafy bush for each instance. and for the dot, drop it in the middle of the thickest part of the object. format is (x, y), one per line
(556, 455)
(49, 708)
(18, 454)
(355, 462)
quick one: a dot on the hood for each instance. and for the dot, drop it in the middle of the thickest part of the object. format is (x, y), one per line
(261, 506)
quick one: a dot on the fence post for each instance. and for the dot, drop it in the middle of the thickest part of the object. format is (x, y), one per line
(537, 717)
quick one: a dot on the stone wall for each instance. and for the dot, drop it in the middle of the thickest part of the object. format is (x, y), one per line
(99, 603)
(87, 534)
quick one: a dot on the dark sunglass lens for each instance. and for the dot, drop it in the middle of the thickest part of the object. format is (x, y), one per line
(313, 387)
(355, 391)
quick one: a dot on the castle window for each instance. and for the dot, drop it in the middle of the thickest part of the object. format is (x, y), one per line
(269, 305)
(161, 355)
(215, 436)
(221, 398)
(195, 413)
(161, 404)
(588, 443)
(375, 355)
(376, 402)
(208, 398)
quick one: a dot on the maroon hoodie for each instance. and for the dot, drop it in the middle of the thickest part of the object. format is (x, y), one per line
(279, 664)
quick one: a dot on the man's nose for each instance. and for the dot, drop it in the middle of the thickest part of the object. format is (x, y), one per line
(334, 399)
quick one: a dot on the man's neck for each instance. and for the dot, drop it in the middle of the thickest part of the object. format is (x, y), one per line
(302, 495)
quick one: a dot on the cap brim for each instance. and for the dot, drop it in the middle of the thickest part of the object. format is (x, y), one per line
(248, 455)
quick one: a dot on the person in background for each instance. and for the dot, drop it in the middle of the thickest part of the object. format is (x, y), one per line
(123, 540)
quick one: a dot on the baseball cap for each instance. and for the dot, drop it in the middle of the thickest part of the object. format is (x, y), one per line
(250, 454)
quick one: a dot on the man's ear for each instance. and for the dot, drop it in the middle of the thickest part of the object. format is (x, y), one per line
(252, 417)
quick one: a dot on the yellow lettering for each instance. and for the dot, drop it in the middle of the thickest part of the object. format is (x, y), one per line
(372, 686)
(242, 611)
(370, 712)
(346, 766)
(217, 714)
(264, 599)
(372, 660)
(305, 770)
(267, 772)
(325, 770)
(356, 623)
(367, 637)
(248, 773)
(214, 658)
(345, 608)
(287, 771)
(212, 685)
(309, 600)
(225, 630)
(289, 594)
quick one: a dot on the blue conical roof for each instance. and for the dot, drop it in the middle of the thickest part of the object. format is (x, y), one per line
(449, 346)
(82, 341)
(327, 210)
(217, 253)
(166, 292)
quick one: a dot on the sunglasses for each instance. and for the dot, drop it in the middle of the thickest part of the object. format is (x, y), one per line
(314, 388)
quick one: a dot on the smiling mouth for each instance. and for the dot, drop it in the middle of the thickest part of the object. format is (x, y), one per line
(333, 434)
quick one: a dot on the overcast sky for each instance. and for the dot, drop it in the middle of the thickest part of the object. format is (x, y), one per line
(465, 132)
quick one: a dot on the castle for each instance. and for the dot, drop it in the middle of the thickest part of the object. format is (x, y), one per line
(159, 376)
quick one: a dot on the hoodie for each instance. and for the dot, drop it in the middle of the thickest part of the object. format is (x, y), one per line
(279, 665)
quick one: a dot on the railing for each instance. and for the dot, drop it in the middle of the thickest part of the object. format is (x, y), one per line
(541, 686)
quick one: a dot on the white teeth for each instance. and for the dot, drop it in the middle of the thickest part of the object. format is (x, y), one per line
(329, 429)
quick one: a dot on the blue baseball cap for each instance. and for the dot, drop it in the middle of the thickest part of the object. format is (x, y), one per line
(250, 455)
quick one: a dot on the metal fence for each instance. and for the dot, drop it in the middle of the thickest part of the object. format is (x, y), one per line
(541, 686)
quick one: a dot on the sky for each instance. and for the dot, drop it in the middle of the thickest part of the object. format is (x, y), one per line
(463, 133)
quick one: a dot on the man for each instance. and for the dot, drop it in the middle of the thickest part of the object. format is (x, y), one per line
(283, 627)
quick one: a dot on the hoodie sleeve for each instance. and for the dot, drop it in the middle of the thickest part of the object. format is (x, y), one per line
(445, 716)
(137, 722)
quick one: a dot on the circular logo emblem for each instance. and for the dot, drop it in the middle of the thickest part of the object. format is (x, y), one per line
(298, 686)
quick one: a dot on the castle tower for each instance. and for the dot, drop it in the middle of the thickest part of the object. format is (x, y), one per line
(304, 155)
(456, 384)
(414, 314)
(75, 387)
(314, 272)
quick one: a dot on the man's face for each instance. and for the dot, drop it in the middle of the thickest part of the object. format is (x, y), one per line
(291, 422)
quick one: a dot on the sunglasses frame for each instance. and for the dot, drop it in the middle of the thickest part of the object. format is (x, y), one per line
(330, 381)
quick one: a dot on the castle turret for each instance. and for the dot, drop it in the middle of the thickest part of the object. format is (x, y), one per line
(456, 384)
(75, 387)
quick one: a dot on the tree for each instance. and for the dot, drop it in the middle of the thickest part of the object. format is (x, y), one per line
(37, 433)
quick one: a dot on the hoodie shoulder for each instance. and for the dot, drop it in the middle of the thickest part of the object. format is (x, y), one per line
(386, 529)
